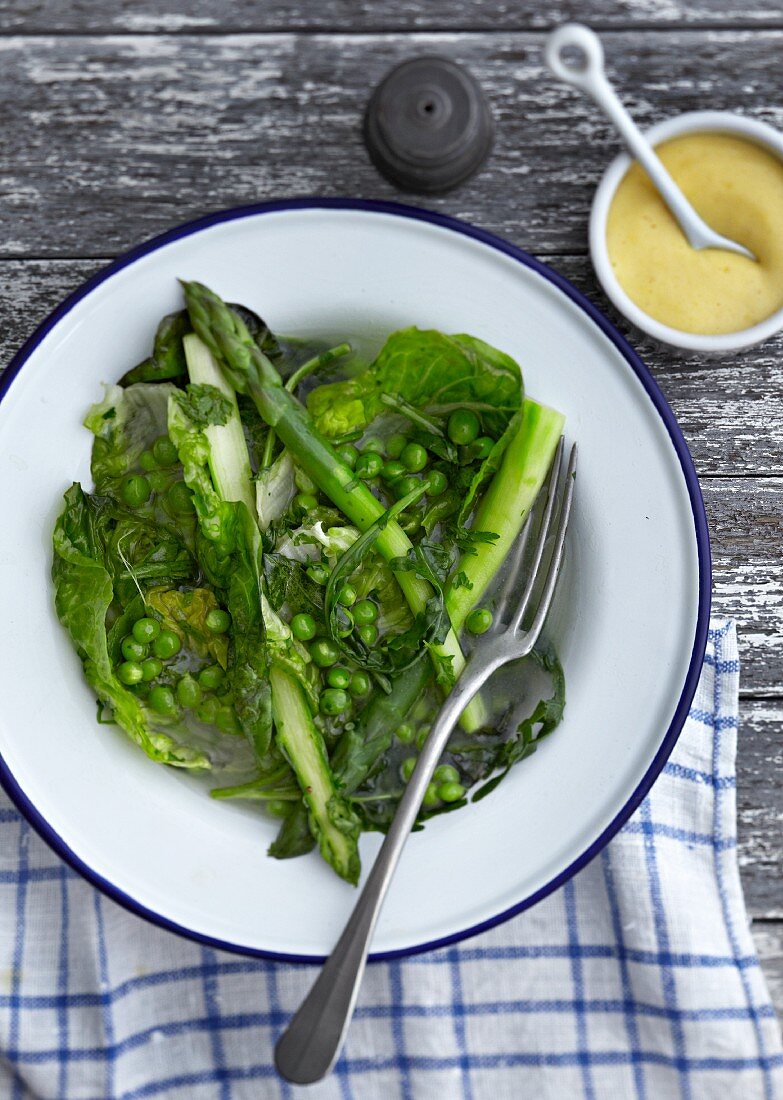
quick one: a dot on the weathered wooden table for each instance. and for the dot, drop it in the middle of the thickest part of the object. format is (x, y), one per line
(120, 119)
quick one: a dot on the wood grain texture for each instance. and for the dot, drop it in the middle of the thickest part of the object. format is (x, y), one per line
(148, 16)
(745, 513)
(768, 938)
(760, 807)
(107, 140)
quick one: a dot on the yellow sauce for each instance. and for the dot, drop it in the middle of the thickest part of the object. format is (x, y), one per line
(737, 187)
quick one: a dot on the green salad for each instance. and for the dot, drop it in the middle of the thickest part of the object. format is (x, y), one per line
(285, 555)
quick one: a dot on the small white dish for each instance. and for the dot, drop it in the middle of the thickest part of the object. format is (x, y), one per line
(631, 621)
(692, 122)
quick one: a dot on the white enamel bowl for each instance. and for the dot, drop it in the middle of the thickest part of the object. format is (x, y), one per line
(631, 621)
(693, 122)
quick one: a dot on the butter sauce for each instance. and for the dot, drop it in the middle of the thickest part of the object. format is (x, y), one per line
(737, 187)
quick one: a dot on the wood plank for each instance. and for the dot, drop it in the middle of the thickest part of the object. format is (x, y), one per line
(731, 410)
(768, 938)
(147, 16)
(745, 513)
(107, 140)
(760, 806)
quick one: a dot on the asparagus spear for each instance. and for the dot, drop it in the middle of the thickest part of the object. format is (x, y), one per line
(250, 372)
(330, 818)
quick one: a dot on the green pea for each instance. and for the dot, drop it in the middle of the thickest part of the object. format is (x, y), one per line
(479, 620)
(304, 502)
(438, 483)
(133, 650)
(166, 645)
(482, 448)
(451, 792)
(364, 612)
(318, 573)
(303, 627)
(151, 668)
(159, 481)
(445, 773)
(422, 736)
(368, 633)
(217, 621)
(211, 677)
(347, 595)
(333, 701)
(391, 470)
(278, 807)
(404, 733)
(348, 453)
(180, 499)
(188, 692)
(405, 485)
(431, 796)
(395, 444)
(359, 685)
(407, 766)
(226, 720)
(324, 652)
(146, 630)
(463, 426)
(368, 465)
(345, 623)
(162, 700)
(338, 677)
(372, 444)
(147, 461)
(130, 672)
(207, 712)
(414, 458)
(164, 452)
(135, 490)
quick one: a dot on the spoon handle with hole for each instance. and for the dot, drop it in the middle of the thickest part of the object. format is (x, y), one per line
(588, 76)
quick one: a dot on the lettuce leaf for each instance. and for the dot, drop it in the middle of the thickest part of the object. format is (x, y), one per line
(125, 423)
(429, 370)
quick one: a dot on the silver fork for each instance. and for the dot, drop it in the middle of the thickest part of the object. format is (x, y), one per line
(310, 1045)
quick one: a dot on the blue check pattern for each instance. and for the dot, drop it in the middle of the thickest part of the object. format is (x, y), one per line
(637, 979)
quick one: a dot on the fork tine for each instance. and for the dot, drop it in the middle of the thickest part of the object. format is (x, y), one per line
(513, 566)
(546, 521)
(557, 552)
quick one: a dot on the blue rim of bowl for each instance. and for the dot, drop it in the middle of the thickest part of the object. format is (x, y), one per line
(414, 213)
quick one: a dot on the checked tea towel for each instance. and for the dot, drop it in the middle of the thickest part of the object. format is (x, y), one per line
(637, 979)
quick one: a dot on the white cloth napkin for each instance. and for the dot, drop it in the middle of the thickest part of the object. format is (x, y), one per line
(637, 979)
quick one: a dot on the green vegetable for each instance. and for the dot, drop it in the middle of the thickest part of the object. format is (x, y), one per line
(218, 621)
(133, 650)
(334, 701)
(324, 652)
(506, 504)
(413, 458)
(303, 627)
(164, 453)
(188, 692)
(249, 371)
(83, 595)
(463, 426)
(167, 359)
(307, 622)
(130, 672)
(332, 821)
(146, 630)
(135, 490)
(338, 677)
(479, 620)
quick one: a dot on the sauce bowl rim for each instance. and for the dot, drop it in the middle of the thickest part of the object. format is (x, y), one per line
(690, 122)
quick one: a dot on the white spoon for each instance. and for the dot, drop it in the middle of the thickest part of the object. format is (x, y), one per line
(587, 74)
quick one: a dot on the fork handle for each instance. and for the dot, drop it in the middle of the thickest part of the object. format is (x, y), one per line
(311, 1043)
